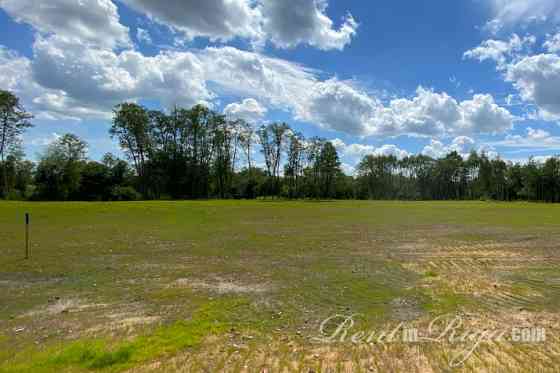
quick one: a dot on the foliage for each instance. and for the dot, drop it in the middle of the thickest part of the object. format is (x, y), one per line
(14, 120)
(198, 153)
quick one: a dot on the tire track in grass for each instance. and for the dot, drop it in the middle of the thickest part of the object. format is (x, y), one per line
(506, 300)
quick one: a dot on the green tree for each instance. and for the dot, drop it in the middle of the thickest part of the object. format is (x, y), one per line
(329, 169)
(131, 127)
(14, 120)
(293, 170)
(60, 169)
(272, 139)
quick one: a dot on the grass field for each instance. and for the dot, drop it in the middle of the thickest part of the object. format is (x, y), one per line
(245, 286)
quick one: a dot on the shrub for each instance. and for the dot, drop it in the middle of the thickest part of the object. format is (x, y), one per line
(124, 193)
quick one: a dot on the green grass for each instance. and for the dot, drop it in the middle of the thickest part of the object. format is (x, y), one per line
(306, 260)
(213, 318)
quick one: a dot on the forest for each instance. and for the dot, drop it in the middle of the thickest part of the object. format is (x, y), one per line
(197, 153)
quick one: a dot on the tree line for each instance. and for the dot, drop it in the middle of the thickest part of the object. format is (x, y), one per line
(197, 153)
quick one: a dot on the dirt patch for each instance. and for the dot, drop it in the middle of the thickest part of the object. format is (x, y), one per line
(58, 306)
(121, 321)
(406, 309)
(221, 286)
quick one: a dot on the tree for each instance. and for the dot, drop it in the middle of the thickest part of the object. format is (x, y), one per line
(329, 168)
(59, 172)
(313, 149)
(95, 182)
(224, 155)
(131, 127)
(294, 167)
(246, 140)
(14, 120)
(272, 139)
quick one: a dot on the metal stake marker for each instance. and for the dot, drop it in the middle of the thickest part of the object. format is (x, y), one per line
(26, 236)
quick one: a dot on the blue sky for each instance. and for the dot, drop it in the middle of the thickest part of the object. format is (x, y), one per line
(393, 77)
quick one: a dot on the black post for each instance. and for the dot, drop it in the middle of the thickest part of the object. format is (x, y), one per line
(26, 235)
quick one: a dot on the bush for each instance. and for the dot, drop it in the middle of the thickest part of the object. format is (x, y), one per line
(14, 195)
(124, 193)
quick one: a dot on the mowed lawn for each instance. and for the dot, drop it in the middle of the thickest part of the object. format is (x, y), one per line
(245, 286)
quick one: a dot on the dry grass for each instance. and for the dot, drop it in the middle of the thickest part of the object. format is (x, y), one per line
(253, 281)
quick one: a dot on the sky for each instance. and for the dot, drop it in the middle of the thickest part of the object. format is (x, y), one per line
(375, 77)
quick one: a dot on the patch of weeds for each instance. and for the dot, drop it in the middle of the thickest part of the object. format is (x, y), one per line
(214, 318)
(445, 302)
(174, 294)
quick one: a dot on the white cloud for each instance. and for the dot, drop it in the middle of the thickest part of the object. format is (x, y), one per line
(534, 139)
(391, 150)
(88, 81)
(500, 51)
(279, 83)
(285, 24)
(483, 115)
(102, 78)
(214, 19)
(436, 149)
(16, 75)
(13, 71)
(92, 22)
(357, 151)
(45, 141)
(338, 106)
(463, 145)
(290, 23)
(537, 134)
(352, 150)
(552, 43)
(537, 79)
(143, 35)
(70, 78)
(509, 13)
(348, 169)
(438, 114)
(249, 109)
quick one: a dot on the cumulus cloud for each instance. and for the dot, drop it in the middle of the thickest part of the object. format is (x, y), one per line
(358, 151)
(279, 82)
(352, 150)
(537, 79)
(463, 145)
(534, 139)
(535, 76)
(338, 106)
(537, 134)
(143, 35)
(214, 19)
(66, 80)
(391, 150)
(77, 74)
(290, 23)
(552, 43)
(438, 114)
(436, 149)
(92, 80)
(92, 22)
(249, 109)
(508, 13)
(16, 75)
(500, 51)
(285, 24)
(14, 70)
